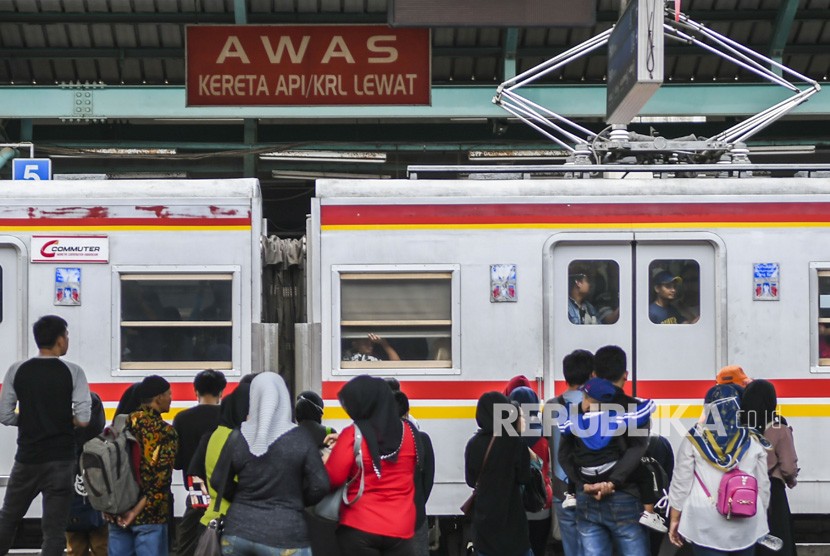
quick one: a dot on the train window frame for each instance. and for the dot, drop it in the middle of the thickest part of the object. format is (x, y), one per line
(211, 274)
(449, 272)
(818, 270)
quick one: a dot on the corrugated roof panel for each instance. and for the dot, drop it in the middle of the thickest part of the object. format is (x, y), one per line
(33, 36)
(50, 5)
(11, 35)
(125, 35)
(174, 69)
(87, 70)
(153, 71)
(21, 72)
(148, 36)
(109, 70)
(126, 6)
(283, 6)
(820, 67)
(441, 69)
(56, 36)
(42, 73)
(442, 36)
(488, 69)
(65, 71)
(101, 6)
(306, 6)
(329, 6)
(535, 36)
(131, 73)
(102, 35)
(171, 35)
(809, 32)
(217, 6)
(78, 34)
(74, 6)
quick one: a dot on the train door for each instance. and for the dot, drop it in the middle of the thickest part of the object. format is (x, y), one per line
(651, 294)
(12, 326)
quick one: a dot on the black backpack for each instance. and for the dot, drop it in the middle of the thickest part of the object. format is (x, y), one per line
(660, 479)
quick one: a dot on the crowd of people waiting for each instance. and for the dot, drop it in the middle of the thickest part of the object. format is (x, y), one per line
(611, 482)
(599, 482)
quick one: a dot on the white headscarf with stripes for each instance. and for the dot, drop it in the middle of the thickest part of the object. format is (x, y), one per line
(269, 416)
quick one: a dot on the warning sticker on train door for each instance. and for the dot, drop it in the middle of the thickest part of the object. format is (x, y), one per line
(766, 278)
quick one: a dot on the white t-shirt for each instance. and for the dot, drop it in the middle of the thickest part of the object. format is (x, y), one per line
(700, 522)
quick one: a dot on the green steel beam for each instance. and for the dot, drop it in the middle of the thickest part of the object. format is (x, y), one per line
(507, 50)
(132, 18)
(249, 161)
(453, 102)
(240, 12)
(188, 18)
(511, 46)
(781, 29)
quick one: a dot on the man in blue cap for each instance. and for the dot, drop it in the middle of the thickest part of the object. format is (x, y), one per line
(662, 310)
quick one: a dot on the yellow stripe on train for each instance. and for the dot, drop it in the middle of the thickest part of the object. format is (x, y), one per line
(664, 411)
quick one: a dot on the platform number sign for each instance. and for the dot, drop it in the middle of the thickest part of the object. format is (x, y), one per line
(31, 169)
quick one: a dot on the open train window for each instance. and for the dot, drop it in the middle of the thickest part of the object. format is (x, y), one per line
(824, 318)
(674, 291)
(397, 320)
(176, 321)
(593, 292)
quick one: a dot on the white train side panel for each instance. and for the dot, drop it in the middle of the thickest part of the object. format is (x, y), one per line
(177, 293)
(420, 262)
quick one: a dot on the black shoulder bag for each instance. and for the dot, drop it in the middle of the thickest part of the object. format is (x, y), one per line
(467, 506)
(209, 542)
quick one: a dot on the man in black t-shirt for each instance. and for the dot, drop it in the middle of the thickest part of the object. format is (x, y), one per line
(191, 424)
(52, 398)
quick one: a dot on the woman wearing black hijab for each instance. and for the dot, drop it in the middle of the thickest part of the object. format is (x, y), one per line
(308, 412)
(382, 521)
(499, 520)
(758, 412)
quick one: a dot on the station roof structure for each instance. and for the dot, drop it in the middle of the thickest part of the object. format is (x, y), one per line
(99, 86)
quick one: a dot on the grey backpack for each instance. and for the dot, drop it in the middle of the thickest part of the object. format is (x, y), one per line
(110, 469)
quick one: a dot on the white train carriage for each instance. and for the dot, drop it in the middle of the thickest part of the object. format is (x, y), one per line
(470, 282)
(156, 277)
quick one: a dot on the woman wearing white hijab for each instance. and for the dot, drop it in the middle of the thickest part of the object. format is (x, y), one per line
(279, 473)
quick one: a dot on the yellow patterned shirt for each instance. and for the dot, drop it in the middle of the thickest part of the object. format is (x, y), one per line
(158, 441)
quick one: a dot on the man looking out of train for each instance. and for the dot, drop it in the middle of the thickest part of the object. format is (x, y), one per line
(580, 310)
(52, 397)
(662, 310)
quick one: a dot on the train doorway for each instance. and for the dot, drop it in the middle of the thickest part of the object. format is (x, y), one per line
(655, 295)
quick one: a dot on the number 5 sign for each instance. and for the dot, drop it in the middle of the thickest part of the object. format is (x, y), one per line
(31, 169)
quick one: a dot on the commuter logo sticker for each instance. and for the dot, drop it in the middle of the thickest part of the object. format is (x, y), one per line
(70, 249)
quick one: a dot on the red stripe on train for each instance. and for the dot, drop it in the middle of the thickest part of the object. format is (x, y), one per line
(473, 389)
(572, 213)
(160, 220)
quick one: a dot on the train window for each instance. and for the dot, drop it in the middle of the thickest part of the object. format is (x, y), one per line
(824, 318)
(176, 321)
(674, 293)
(593, 292)
(396, 320)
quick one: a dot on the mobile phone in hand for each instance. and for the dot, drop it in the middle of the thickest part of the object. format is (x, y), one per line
(197, 492)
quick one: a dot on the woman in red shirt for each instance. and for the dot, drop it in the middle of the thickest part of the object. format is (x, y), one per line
(382, 521)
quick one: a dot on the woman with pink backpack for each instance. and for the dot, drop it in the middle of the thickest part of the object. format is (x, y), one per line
(720, 489)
